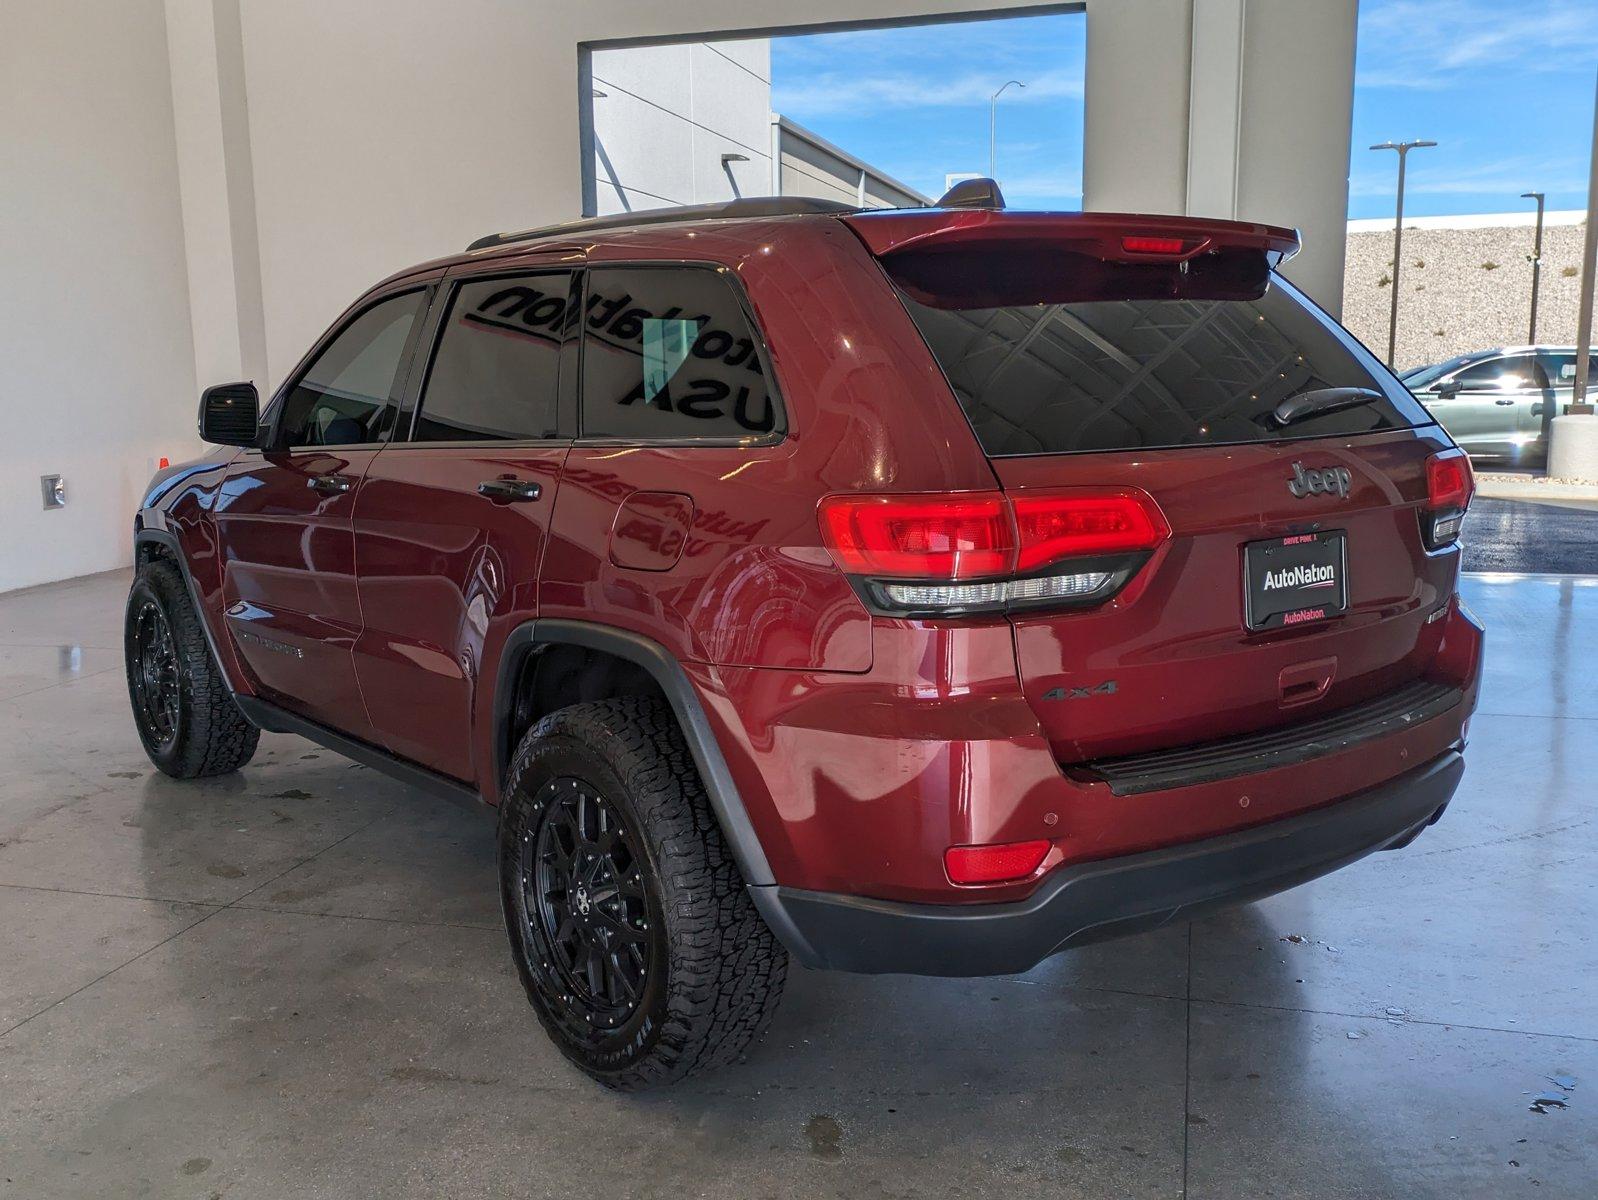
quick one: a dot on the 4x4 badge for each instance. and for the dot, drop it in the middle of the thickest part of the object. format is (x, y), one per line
(1107, 688)
(1318, 483)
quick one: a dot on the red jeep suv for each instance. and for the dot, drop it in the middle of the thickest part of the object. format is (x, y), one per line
(922, 591)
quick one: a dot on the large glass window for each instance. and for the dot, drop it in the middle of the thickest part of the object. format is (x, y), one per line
(668, 354)
(498, 366)
(350, 394)
(1114, 374)
(1512, 373)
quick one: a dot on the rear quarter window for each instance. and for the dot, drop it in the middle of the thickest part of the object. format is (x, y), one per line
(669, 354)
(1127, 374)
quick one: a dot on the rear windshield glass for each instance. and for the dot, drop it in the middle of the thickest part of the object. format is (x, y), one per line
(1132, 374)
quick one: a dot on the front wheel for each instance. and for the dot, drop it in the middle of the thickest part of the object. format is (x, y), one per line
(634, 935)
(184, 712)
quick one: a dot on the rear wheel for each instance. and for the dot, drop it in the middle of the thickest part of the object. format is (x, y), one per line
(635, 937)
(182, 708)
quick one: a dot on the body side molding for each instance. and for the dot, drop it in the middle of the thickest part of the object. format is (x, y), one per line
(273, 719)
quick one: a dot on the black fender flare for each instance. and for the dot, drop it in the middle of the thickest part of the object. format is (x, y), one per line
(667, 672)
(168, 540)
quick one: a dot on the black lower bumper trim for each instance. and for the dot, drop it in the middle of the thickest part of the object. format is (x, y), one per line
(1097, 900)
(1329, 733)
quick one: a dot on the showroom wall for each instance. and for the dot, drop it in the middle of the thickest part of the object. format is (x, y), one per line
(96, 361)
(288, 153)
(665, 115)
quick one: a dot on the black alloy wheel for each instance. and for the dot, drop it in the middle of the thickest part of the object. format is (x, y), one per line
(584, 908)
(639, 945)
(156, 687)
(185, 714)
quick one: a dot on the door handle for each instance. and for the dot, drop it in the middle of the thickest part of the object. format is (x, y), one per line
(330, 485)
(510, 491)
(1505, 402)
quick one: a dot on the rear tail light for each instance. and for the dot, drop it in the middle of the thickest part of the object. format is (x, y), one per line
(966, 552)
(993, 864)
(1449, 488)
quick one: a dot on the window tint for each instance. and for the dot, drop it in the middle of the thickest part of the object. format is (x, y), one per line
(350, 393)
(1560, 367)
(1149, 373)
(1501, 375)
(1418, 378)
(498, 365)
(668, 354)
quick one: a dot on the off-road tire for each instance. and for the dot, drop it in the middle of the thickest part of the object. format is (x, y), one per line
(212, 736)
(715, 971)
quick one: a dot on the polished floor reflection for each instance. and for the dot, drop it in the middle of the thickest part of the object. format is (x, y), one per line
(292, 982)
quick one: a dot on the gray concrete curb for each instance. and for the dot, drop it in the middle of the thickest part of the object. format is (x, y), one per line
(1533, 487)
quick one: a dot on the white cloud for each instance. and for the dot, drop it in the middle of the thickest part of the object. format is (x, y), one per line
(1508, 176)
(1434, 44)
(832, 92)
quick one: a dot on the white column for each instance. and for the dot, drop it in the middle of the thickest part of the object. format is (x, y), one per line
(217, 186)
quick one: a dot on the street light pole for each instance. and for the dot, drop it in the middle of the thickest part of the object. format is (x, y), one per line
(993, 128)
(1589, 263)
(1403, 149)
(1536, 262)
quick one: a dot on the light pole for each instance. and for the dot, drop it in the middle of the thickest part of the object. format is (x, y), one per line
(993, 128)
(1536, 262)
(1403, 149)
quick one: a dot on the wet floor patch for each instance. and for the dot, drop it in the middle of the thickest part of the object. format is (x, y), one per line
(825, 1136)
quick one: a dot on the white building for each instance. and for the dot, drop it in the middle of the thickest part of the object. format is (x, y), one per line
(692, 124)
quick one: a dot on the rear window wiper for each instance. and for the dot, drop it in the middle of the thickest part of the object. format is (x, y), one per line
(1322, 400)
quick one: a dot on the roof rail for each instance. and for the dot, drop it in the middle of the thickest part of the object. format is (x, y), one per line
(752, 206)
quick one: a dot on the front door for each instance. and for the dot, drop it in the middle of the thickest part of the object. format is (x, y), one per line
(283, 516)
(451, 522)
(1487, 406)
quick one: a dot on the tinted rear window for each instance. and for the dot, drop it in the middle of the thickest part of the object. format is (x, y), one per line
(1109, 374)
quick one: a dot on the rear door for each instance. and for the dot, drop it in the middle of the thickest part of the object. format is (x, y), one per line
(1294, 580)
(283, 515)
(453, 517)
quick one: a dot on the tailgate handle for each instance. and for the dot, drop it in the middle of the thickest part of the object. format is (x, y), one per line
(1303, 682)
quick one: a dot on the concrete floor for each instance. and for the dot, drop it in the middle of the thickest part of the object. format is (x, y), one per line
(1560, 536)
(292, 982)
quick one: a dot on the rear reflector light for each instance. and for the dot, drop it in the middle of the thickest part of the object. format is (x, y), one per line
(1449, 488)
(993, 864)
(1153, 245)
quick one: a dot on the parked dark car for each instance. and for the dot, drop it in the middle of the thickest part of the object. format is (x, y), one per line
(924, 591)
(1494, 403)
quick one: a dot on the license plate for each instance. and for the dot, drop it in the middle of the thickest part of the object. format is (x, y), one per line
(1295, 580)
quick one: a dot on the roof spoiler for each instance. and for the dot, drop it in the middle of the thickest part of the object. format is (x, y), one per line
(1112, 237)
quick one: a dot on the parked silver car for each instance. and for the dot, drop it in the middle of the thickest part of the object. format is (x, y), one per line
(1492, 401)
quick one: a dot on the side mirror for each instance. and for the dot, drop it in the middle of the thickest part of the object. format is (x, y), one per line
(1447, 390)
(230, 414)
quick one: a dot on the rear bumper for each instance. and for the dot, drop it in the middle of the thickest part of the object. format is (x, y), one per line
(1096, 900)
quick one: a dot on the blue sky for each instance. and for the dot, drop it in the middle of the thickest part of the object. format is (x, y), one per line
(914, 101)
(1505, 87)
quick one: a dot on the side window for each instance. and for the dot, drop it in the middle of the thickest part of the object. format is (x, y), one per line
(1509, 374)
(496, 370)
(350, 394)
(668, 354)
(1561, 368)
